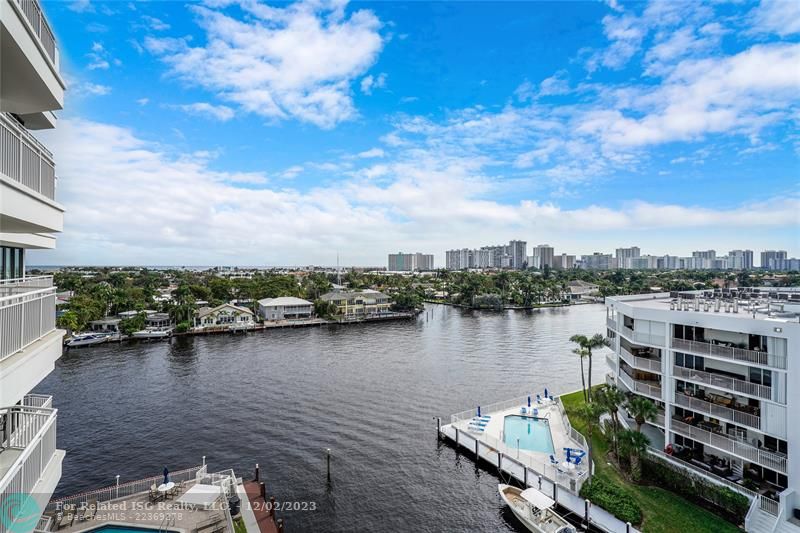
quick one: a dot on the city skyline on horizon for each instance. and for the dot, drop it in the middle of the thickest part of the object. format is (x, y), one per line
(349, 126)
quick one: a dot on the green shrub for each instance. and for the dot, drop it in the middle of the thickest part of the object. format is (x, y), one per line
(182, 327)
(613, 498)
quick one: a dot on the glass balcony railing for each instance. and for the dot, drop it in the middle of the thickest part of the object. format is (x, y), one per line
(25, 160)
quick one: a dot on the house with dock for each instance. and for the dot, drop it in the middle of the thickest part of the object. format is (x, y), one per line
(357, 304)
(225, 316)
(285, 308)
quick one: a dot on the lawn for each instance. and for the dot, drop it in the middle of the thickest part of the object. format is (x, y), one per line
(664, 511)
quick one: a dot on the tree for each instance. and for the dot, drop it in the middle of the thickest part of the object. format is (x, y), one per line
(589, 343)
(135, 323)
(633, 444)
(582, 353)
(68, 321)
(591, 413)
(642, 410)
(611, 398)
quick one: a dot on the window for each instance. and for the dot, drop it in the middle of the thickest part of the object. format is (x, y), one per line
(12, 262)
(761, 377)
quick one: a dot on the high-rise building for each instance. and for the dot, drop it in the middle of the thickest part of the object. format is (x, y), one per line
(543, 256)
(405, 262)
(518, 254)
(625, 255)
(770, 259)
(704, 259)
(564, 262)
(596, 261)
(740, 259)
(31, 88)
(719, 367)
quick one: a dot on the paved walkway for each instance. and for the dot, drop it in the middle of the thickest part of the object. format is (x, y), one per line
(266, 523)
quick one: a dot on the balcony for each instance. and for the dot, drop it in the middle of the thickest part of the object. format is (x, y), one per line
(29, 461)
(29, 61)
(25, 318)
(642, 363)
(718, 411)
(640, 337)
(646, 388)
(611, 323)
(720, 381)
(765, 458)
(727, 352)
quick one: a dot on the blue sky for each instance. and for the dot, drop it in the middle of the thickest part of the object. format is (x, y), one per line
(252, 133)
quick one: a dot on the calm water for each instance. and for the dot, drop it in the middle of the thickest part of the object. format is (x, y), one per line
(279, 398)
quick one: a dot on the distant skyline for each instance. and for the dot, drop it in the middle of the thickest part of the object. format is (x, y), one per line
(247, 133)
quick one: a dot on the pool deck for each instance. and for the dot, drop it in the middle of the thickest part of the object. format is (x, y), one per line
(561, 482)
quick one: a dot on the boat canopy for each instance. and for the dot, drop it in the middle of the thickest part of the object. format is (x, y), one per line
(537, 499)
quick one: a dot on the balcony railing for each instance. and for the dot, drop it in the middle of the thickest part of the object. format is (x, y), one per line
(736, 354)
(13, 286)
(641, 337)
(33, 12)
(723, 382)
(26, 318)
(642, 387)
(643, 363)
(24, 159)
(725, 443)
(33, 431)
(611, 323)
(718, 411)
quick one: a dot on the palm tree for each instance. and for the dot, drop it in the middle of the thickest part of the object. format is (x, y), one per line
(582, 353)
(612, 398)
(642, 410)
(589, 343)
(634, 444)
(591, 413)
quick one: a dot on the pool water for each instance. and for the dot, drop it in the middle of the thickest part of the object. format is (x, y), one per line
(124, 529)
(533, 434)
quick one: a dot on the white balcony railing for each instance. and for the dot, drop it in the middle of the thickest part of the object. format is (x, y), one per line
(33, 12)
(611, 323)
(13, 286)
(32, 430)
(718, 411)
(723, 382)
(653, 391)
(26, 318)
(642, 363)
(641, 337)
(774, 461)
(736, 354)
(26, 160)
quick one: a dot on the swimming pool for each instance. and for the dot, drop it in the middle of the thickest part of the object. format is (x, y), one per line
(533, 433)
(115, 528)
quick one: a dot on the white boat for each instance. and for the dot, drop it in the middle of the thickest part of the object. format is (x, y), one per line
(534, 510)
(88, 339)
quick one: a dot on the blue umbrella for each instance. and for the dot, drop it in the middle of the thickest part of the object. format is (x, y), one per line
(545, 392)
(166, 475)
(479, 410)
(529, 401)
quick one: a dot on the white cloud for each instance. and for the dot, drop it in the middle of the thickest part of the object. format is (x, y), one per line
(372, 153)
(84, 88)
(291, 172)
(155, 24)
(143, 101)
(81, 6)
(100, 58)
(218, 112)
(368, 83)
(287, 62)
(781, 17)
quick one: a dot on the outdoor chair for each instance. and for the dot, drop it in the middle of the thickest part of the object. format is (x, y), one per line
(154, 495)
(91, 510)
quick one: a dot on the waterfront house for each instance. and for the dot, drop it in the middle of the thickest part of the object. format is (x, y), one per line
(224, 316)
(358, 304)
(579, 289)
(285, 308)
(30, 215)
(105, 325)
(158, 320)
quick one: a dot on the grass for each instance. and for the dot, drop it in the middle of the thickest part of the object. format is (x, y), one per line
(664, 511)
(238, 526)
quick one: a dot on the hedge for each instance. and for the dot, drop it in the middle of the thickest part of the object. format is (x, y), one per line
(727, 502)
(613, 498)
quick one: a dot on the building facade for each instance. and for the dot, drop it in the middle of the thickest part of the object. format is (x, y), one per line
(512, 255)
(597, 261)
(543, 255)
(227, 316)
(740, 259)
(719, 367)
(405, 262)
(358, 304)
(285, 308)
(31, 88)
(625, 256)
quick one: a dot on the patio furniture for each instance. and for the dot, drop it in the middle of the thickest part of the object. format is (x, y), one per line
(166, 488)
(90, 510)
(154, 494)
(67, 516)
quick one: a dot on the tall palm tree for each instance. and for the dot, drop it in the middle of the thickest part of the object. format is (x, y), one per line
(634, 444)
(643, 410)
(612, 398)
(582, 353)
(589, 343)
(591, 413)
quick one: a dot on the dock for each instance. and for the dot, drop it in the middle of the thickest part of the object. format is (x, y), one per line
(558, 480)
(260, 507)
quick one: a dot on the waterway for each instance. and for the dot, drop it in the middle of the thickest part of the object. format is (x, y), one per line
(369, 392)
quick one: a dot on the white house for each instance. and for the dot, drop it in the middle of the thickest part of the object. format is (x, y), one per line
(225, 315)
(285, 308)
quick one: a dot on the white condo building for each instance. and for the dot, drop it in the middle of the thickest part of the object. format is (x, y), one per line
(720, 366)
(31, 88)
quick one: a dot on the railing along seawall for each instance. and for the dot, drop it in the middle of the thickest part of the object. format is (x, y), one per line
(25, 318)
(25, 160)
